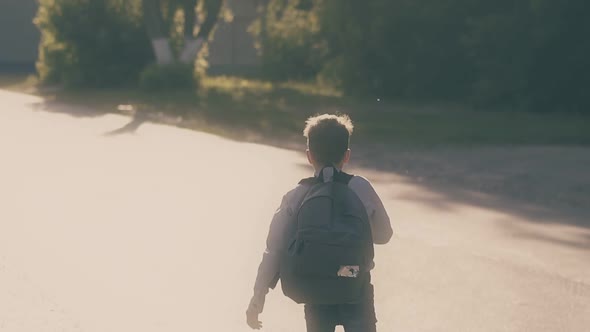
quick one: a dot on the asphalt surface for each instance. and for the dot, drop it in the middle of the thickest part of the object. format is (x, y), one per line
(162, 229)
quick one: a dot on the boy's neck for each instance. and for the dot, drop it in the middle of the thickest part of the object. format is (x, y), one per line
(318, 169)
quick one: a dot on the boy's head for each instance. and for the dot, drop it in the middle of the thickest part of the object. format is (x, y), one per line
(328, 137)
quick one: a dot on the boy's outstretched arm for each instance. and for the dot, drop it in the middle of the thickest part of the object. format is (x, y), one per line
(268, 270)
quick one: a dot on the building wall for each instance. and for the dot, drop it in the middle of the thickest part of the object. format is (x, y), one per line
(233, 46)
(19, 38)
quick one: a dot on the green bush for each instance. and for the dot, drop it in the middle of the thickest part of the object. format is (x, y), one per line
(559, 70)
(91, 43)
(171, 77)
(525, 54)
(401, 48)
(287, 38)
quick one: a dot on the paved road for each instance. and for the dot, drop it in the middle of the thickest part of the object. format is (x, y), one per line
(162, 230)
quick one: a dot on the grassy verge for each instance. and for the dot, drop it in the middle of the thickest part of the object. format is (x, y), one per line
(258, 110)
(18, 82)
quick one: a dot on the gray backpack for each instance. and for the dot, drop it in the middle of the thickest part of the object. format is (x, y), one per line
(328, 260)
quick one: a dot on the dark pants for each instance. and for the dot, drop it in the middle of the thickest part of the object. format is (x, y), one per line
(358, 317)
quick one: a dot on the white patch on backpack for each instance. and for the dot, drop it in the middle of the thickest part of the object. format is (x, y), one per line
(349, 271)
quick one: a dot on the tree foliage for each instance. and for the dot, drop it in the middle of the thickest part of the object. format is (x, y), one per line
(288, 41)
(106, 43)
(94, 43)
(520, 53)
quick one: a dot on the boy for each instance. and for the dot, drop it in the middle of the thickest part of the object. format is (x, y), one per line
(328, 138)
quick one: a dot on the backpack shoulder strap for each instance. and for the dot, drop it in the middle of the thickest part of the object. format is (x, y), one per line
(309, 181)
(343, 177)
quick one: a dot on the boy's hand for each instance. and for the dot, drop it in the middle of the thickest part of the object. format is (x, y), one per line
(252, 320)
(254, 309)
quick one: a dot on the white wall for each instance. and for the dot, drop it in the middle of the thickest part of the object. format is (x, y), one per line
(19, 38)
(233, 45)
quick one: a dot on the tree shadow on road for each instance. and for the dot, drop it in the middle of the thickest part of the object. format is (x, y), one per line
(543, 184)
(137, 120)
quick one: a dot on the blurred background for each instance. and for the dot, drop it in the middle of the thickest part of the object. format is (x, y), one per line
(525, 55)
(119, 117)
(506, 70)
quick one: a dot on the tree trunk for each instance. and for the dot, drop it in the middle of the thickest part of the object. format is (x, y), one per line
(156, 30)
(193, 45)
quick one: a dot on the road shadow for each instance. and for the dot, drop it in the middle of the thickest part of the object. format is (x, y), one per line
(542, 184)
(583, 243)
(137, 120)
(545, 184)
